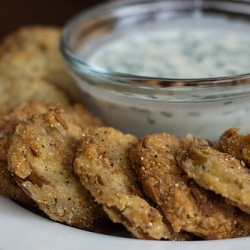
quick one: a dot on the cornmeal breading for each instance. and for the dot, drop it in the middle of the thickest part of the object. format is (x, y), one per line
(237, 145)
(41, 156)
(8, 123)
(217, 171)
(31, 68)
(186, 205)
(10, 189)
(17, 90)
(103, 166)
(10, 120)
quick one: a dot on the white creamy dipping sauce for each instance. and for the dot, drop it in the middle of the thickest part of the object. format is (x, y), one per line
(185, 48)
(192, 48)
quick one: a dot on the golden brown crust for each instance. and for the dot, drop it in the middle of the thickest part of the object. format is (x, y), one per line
(10, 189)
(217, 171)
(10, 120)
(41, 156)
(15, 90)
(78, 113)
(237, 145)
(104, 169)
(31, 68)
(34, 52)
(185, 204)
(8, 123)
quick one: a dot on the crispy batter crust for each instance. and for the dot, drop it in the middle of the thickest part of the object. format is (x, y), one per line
(41, 156)
(8, 124)
(10, 120)
(217, 171)
(237, 145)
(104, 169)
(31, 68)
(17, 90)
(33, 52)
(185, 204)
(10, 189)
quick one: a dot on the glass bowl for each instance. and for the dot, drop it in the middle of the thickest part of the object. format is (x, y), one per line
(139, 104)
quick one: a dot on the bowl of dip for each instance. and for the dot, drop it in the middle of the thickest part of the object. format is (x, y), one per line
(175, 66)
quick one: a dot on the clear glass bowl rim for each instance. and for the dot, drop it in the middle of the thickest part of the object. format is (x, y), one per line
(79, 64)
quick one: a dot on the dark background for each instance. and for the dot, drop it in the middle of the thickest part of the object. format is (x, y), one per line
(17, 13)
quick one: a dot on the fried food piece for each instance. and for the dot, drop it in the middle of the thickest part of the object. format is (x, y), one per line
(34, 52)
(186, 205)
(7, 128)
(104, 169)
(8, 123)
(41, 156)
(10, 120)
(31, 68)
(25, 110)
(16, 90)
(237, 145)
(10, 189)
(217, 171)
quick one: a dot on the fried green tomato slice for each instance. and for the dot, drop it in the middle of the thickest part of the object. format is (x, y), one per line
(8, 124)
(10, 189)
(41, 157)
(33, 67)
(218, 172)
(103, 165)
(187, 206)
(17, 90)
(237, 145)
(13, 117)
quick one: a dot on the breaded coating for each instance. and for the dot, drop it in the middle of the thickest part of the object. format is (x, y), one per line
(32, 68)
(103, 166)
(78, 113)
(34, 52)
(8, 124)
(237, 145)
(15, 90)
(186, 205)
(10, 189)
(218, 172)
(10, 120)
(41, 157)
